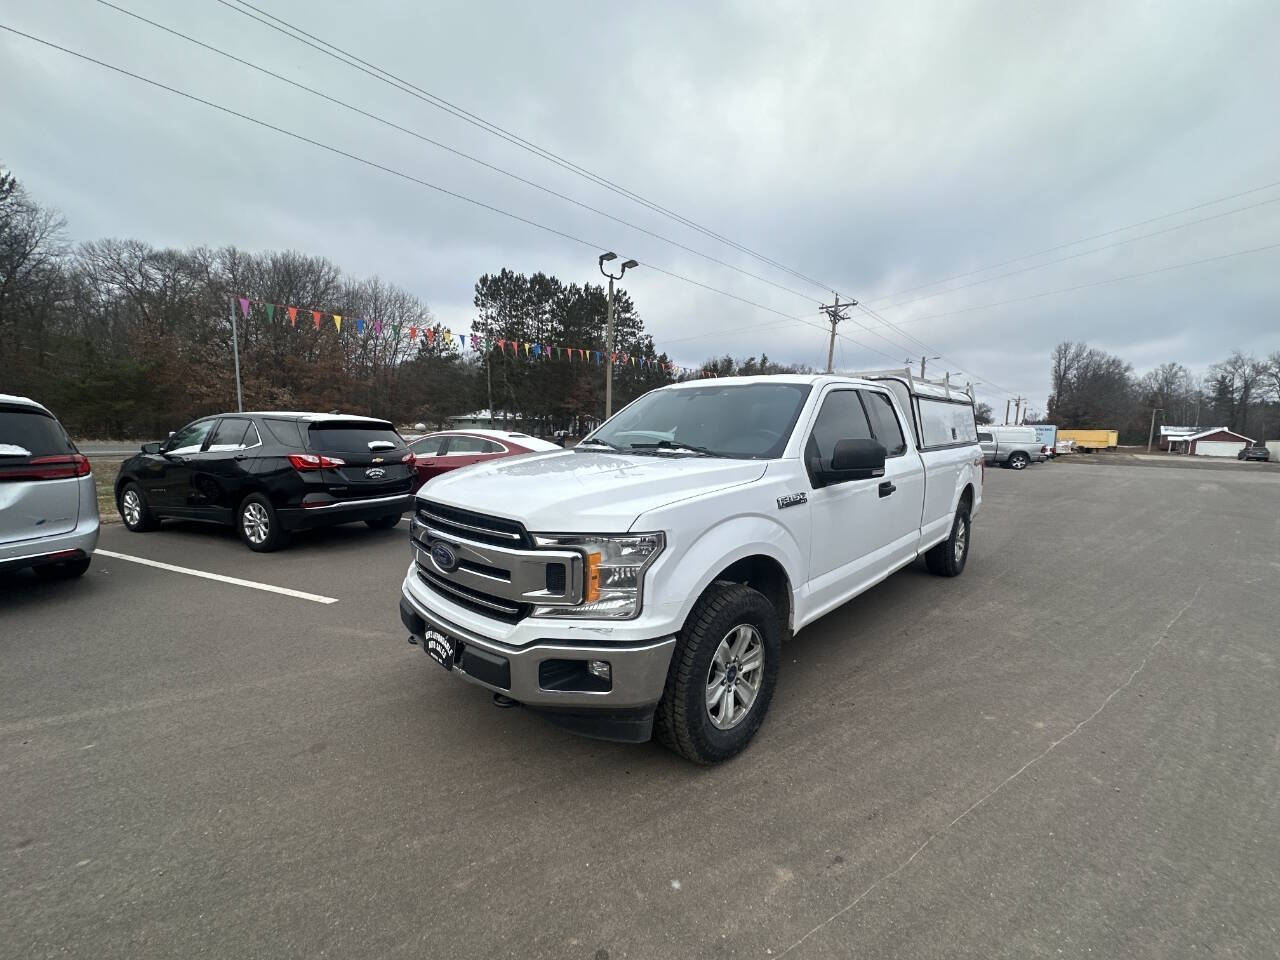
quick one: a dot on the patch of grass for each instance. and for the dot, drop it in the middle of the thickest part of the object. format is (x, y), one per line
(105, 470)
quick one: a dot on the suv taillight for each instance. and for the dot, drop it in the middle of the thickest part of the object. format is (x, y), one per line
(313, 461)
(62, 466)
(409, 458)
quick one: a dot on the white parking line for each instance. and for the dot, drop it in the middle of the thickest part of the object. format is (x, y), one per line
(235, 581)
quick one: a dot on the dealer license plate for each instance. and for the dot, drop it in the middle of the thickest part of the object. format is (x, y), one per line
(439, 648)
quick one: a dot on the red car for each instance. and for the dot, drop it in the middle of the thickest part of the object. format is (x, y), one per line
(438, 453)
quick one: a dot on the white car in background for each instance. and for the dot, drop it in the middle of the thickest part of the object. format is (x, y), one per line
(48, 500)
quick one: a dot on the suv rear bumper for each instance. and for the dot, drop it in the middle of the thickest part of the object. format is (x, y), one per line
(344, 511)
(622, 711)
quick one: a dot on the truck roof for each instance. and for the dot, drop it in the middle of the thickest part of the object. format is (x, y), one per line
(807, 379)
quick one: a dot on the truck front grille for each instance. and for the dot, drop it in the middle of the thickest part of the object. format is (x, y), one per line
(473, 526)
(475, 600)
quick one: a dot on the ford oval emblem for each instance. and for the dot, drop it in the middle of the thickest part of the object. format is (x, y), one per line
(442, 556)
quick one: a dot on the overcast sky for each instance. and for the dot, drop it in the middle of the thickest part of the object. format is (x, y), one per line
(872, 147)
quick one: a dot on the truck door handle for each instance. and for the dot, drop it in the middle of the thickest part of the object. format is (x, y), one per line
(886, 488)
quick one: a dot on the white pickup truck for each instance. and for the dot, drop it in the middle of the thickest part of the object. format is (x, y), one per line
(646, 579)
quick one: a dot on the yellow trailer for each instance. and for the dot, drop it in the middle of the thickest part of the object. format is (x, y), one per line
(1089, 440)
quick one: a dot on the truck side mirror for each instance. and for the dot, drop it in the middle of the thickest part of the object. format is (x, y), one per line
(152, 448)
(855, 460)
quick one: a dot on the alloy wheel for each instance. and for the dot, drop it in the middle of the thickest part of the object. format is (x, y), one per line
(735, 676)
(257, 525)
(962, 539)
(131, 507)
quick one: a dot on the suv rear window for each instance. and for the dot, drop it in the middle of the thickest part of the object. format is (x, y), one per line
(37, 433)
(345, 436)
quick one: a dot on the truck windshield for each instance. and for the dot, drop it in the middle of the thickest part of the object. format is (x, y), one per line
(746, 421)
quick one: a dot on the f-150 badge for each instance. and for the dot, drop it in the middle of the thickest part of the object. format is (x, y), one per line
(792, 500)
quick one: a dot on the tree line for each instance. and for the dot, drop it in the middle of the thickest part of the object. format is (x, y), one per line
(1092, 388)
(122, 339)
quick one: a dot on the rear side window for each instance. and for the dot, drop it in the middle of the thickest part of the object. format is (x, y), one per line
(884, 423)
(348, 436)
(841, 418)
(472, 445)
(943, 424)
(229, 435)
(984, 437)
(428, 446)
(285, 432)
(30, 433)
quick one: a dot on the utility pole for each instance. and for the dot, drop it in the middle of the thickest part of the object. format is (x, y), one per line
(1007, 405)
(1017, 410)
(1151, 435)
(235, 352)
(835, 313)
(608, 330)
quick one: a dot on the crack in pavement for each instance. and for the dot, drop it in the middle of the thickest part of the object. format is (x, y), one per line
(1164, 634)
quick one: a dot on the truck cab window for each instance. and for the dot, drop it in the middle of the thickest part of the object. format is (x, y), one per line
(841, 418)
(884, 423)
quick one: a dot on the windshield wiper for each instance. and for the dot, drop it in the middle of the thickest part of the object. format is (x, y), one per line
(603, 443)
(675, 445)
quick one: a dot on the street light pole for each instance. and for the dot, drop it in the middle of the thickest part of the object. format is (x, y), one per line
(235, 352)
(608, 329)
(1151, 435)
(608, 357)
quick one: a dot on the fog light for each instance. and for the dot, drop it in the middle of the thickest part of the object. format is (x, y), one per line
(600, 668)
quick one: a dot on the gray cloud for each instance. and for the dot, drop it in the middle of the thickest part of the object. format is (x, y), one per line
(873, 146)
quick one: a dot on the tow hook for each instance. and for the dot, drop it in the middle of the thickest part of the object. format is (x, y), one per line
(413, 641)
(505, 702)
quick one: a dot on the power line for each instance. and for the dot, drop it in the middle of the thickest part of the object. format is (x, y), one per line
(350, 59)
(1063, 246)
(453, 150)
(1095, 283)
(401, 174)
(335, 52)
(1082, 253)
(393, 125)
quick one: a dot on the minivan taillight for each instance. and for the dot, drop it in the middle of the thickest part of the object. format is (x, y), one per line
(314, 461)
(61, 466)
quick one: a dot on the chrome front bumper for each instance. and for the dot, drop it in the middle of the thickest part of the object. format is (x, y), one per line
(639, 670)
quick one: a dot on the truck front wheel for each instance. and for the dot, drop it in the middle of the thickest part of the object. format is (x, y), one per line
(947, 559)
(723, 672)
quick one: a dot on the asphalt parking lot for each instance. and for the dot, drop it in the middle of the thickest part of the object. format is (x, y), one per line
(1071, 750)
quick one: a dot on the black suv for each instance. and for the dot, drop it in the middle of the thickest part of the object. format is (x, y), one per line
(270, 474)
(1258, 452)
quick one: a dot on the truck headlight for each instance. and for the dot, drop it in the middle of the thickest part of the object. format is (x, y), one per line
(613, 573)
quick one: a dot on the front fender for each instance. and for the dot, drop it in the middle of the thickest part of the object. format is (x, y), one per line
(697, 561)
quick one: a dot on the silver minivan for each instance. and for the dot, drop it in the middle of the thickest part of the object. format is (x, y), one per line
(48, 500)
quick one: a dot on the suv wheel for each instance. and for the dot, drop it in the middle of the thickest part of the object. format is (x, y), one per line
(947, 559)
(135, 513)
(723, 672)
(259, 525)
(384, 523)
(1018, 460)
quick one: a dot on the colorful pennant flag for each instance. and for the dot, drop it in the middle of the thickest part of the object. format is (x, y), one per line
(244, 307)
(337, 322)
(315, 315)
(293, 316)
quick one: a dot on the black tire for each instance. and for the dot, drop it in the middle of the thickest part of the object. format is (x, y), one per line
(683, 720)
(1018, 460)
(64, 570)
(947, 559)
(259, 525)
(384, 523)
(144, 519)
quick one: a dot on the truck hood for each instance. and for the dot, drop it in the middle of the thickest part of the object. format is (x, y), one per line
(584, 492)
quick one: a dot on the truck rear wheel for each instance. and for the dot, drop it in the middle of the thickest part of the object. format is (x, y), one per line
(722, 675)
(1018, 460)
(947, 559)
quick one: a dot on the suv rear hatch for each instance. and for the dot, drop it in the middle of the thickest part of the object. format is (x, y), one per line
(375, 460)
(40, 471)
